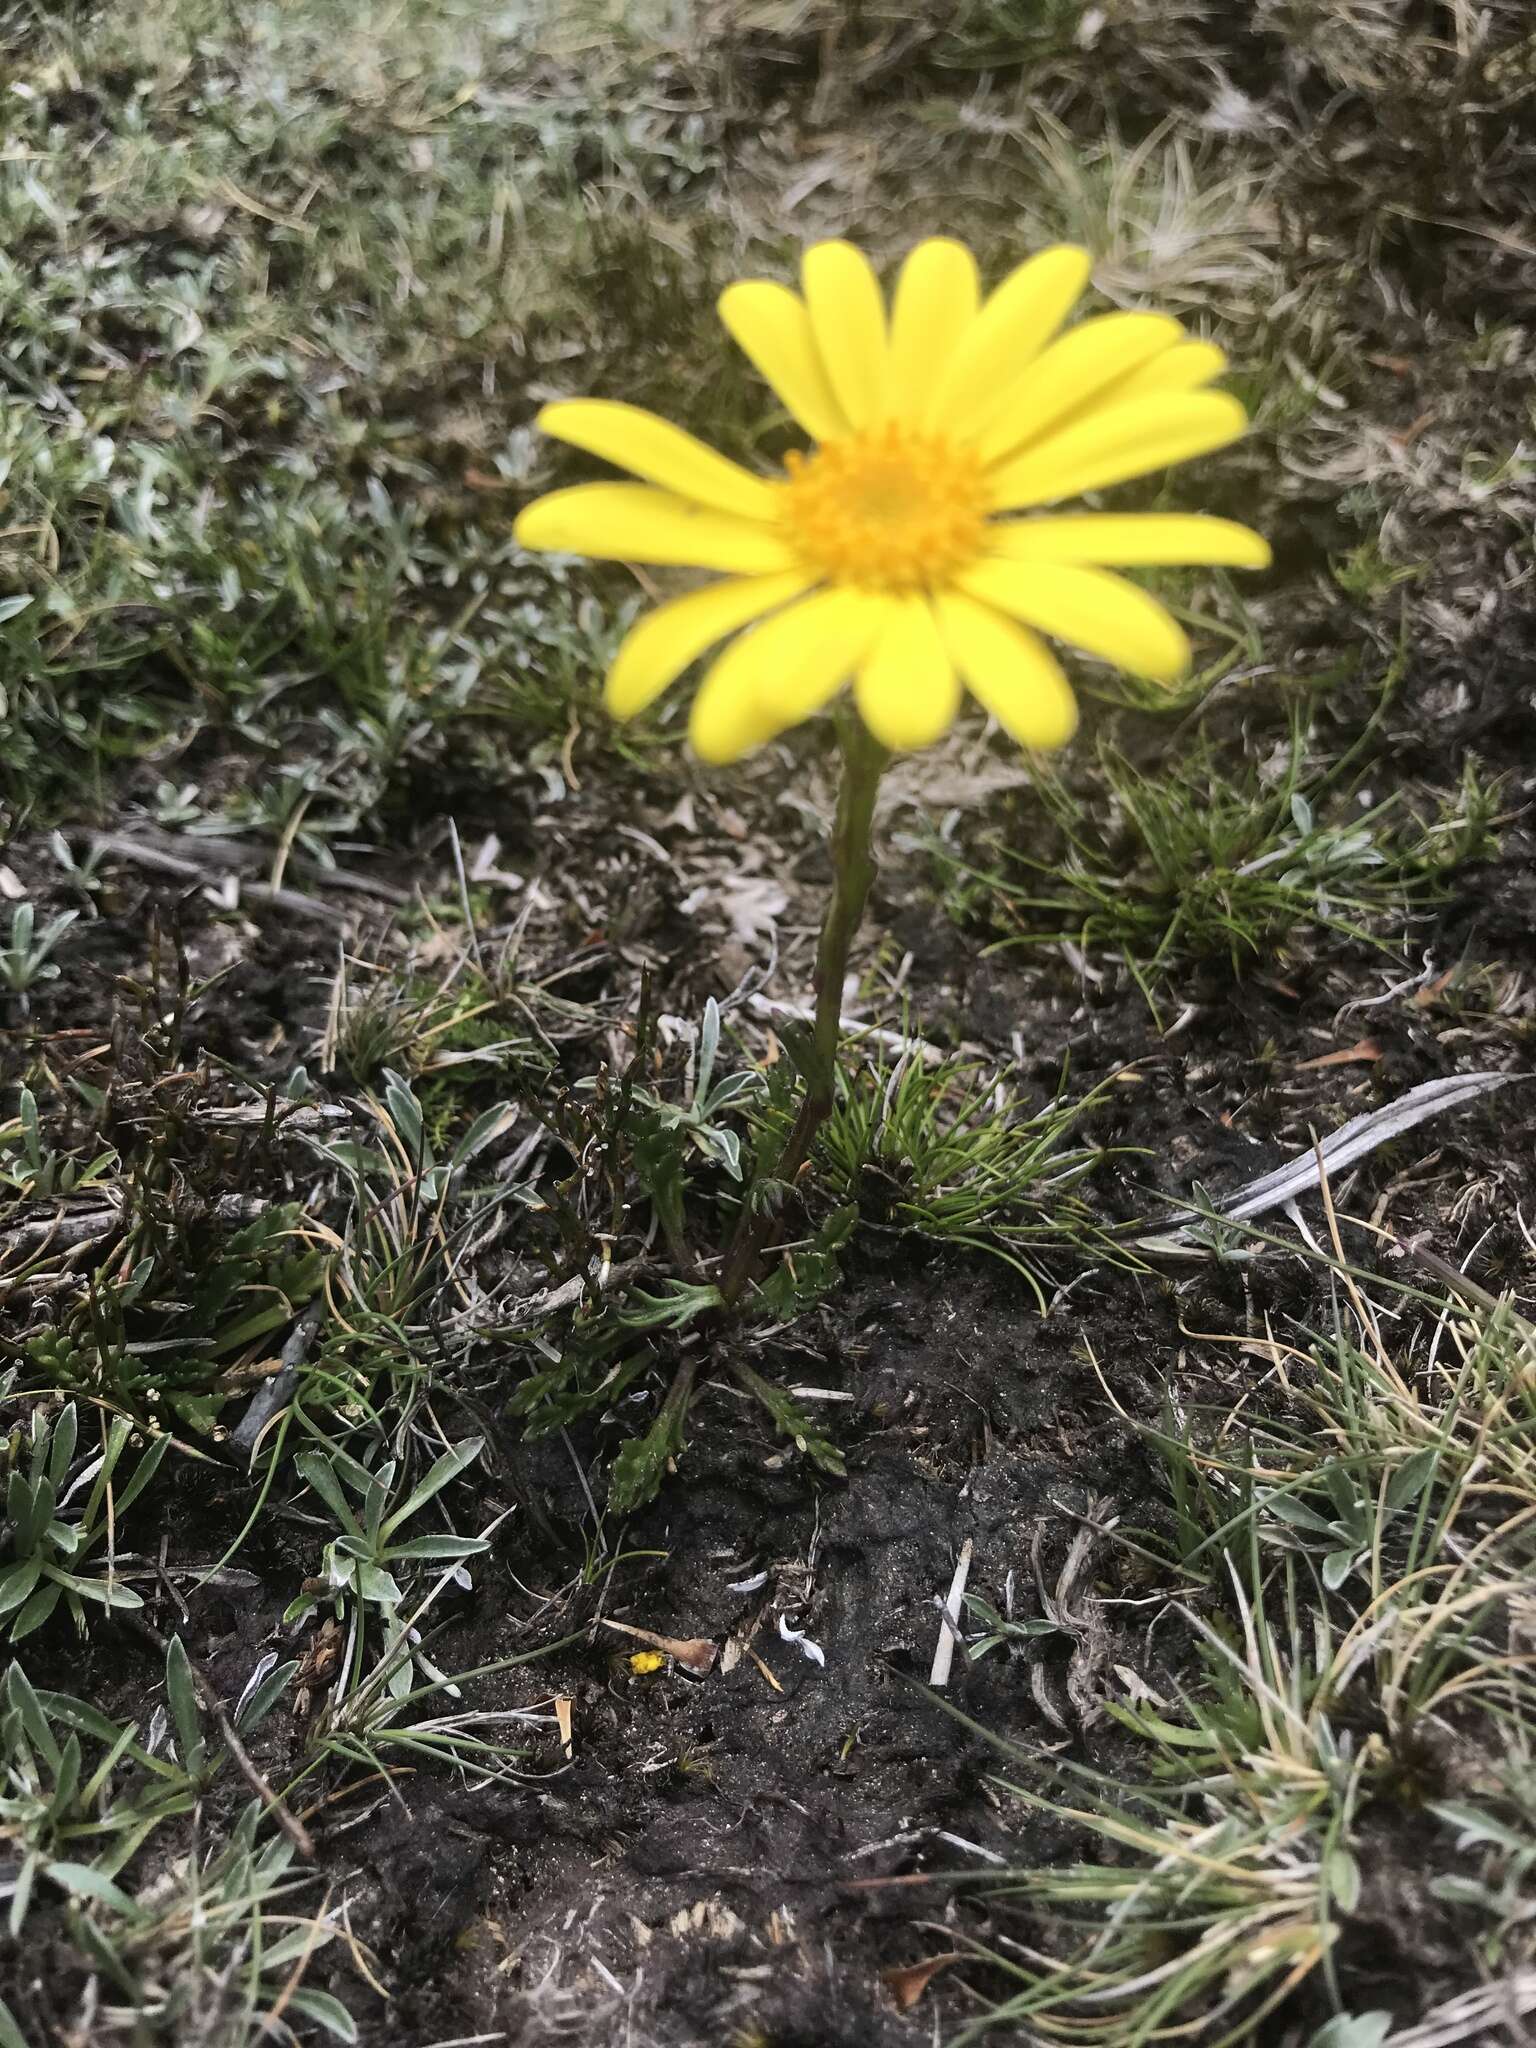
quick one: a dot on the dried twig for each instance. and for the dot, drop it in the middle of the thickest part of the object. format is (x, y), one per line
(273, 1394)
(159, 862)
(1352, 1141)
(949, 1623)
(75, 1226)
(773, 1011)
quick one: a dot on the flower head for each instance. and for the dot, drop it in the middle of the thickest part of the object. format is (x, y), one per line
(906, 551)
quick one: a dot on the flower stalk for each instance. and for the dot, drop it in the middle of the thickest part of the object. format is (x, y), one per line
(853, 874)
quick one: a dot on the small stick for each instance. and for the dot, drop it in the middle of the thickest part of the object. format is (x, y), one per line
(949, 1624)
(771, 1008)
(292, 1827)
(274, 1393)
(159, 862)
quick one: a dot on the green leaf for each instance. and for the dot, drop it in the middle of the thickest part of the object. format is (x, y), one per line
(66, 1782)
(65, 1434)
(802, 1277)
(791, 1420)
(131, 1288)
(1353, 2030)
(21, 1897)
(325, 2011)
(1286, 1508)
(143, 1473)
(103, 1953)
(659, 1160)
(709, 1044)
(376, 1586)
(1155, 1729)
(445, 1548)
(1342, 1875)
(1411, 1478)
(266, 1696)
(249, 1327)
(181, 1691)
(83, 1880)
(734, 1088)
(798, 1040)
(726, 1146)
(485, 1129)
(680, 1303)
(641, 1465)
(405, 1115)
(317, 1471)
(1337, 1566)
(447, 1468)
(73, 1713)
(17, 1581)
(106, 1592)
(37, 1610)
(1346, 1492)
(38, 1501)
(198, 1412)
(1477, 1828)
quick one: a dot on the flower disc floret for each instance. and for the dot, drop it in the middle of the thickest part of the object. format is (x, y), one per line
(888, 509)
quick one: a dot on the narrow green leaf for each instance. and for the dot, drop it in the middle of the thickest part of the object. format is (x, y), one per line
(325, 2011)
(447, 1468)
(65, 1435)
(85, 1881)
(266, 1696)
(181, 1691)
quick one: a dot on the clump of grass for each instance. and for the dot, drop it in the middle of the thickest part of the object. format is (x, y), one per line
(218, 1950)
(1203, 859)
(1162, 225)
(955, 1153)
(62, 1509)
(1356, 1555)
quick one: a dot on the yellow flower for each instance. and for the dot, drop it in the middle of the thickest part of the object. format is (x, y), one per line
(893, 552)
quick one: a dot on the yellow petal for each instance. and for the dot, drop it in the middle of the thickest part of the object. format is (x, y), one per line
(937, 295)
(653, 448)
(907, 690)
(842, 295)
(1009, 671)
(1130, 540)
(1014, 324)
(771, 326)
(633, 523)
(782, 671)
(660, 646)
(1184, 368)
(1088, 608)
(1071, 370)
(1111, 443)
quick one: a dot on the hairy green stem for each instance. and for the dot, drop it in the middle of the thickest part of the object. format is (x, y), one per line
(853, 871)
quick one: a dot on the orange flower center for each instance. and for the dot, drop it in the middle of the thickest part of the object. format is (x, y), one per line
(886, 509)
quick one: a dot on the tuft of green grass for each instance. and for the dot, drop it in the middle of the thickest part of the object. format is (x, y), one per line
(1354, 1558)
(52, 1529)
(955, 1153)
(1206, 859)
